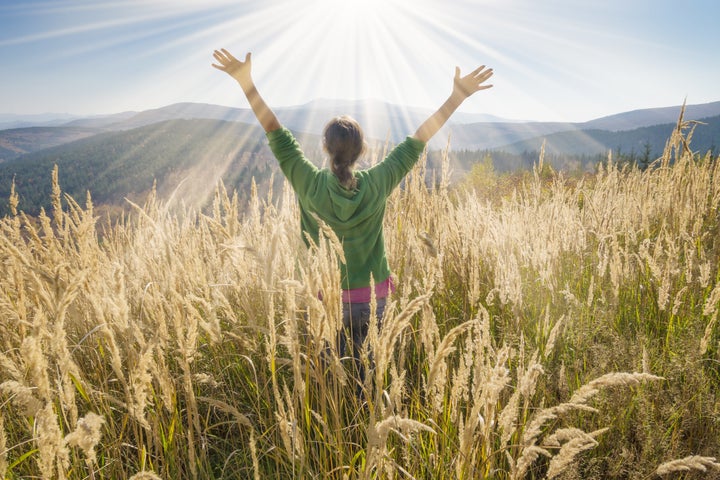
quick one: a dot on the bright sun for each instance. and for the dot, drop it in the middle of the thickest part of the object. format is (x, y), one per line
(400, 52)
(349, 46)
(362, 8)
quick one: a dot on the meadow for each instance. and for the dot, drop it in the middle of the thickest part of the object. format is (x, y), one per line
(559, 328)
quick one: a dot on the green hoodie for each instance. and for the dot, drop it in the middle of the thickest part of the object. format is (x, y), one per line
(356, 216)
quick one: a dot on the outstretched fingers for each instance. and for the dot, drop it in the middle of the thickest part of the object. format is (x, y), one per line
(477, 70)
(480, 75)
(472, 82)
(227, 62)
(221, 58)
(227, 54)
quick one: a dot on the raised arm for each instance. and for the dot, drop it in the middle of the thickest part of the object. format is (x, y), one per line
(463, 87)
(241, 71)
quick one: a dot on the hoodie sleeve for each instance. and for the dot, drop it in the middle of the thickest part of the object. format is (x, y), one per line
(298, 169)
(390, 172)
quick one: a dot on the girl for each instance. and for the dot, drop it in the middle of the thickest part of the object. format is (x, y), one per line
(351, 202)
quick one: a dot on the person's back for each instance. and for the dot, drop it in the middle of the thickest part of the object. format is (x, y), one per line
(353, 208)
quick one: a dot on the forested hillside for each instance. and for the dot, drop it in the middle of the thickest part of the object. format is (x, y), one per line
(188, 155)
(631, 142)
(19, 141)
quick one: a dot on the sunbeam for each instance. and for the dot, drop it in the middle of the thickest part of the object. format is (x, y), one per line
(355, 50)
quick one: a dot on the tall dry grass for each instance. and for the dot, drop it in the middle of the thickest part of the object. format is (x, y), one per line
(568, 330)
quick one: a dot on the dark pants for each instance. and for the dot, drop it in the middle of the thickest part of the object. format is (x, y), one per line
(356, 320)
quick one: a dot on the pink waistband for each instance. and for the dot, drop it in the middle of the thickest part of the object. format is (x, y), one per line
(362, 295)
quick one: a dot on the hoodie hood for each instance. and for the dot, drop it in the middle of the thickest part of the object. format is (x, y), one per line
(348, 207)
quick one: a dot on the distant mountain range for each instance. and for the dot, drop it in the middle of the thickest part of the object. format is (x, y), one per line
(117, 156)
(380, 120)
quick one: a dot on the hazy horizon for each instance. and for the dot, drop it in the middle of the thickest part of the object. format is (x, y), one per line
(329, 103)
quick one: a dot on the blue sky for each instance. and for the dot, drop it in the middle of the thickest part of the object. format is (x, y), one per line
(565, 60)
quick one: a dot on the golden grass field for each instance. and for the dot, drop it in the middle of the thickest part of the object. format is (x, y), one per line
(566, 329)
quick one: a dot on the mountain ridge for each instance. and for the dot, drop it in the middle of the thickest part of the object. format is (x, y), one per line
(596, 141)
(380, 120)
(638, 117)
